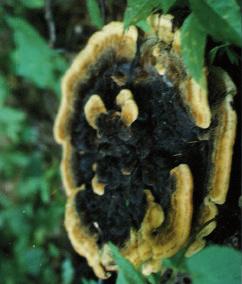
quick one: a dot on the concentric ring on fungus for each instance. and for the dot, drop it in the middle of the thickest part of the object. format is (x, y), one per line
(146, 151)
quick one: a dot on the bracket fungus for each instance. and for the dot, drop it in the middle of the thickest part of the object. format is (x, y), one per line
(146, 151)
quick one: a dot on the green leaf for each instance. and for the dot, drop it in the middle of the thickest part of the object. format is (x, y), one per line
(34, 260)
(138, 10)
(95, 13)
(50, 273)
(154, 278)
(12, 160)
(67, 271)
(53, 250)
(11, 122)
(193, 40)
(144, 25)
(85, 281)
(121, 279)
(181, 3)
(233, 57)
(33, 58)
(220, 19)
(167, 4)
(30, 135)
(16, 220)
(30, 186)
(178, 261)
(44, 191)
(127, 272)
(33, 4)
(215, 265)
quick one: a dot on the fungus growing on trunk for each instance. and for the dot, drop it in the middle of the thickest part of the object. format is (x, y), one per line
(146, 151)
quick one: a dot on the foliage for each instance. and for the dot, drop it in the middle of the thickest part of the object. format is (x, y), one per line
(32, 4)
(67, 271)
(127, 273)
(193, 40)
(32, 58)
(85, 281)
(95, 13)
(219, 19)
(213, 265)
(32, 245)
(138, 10)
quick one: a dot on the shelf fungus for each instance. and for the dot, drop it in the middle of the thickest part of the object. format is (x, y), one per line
(146, 151)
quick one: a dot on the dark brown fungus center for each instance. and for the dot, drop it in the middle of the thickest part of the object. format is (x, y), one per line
(129, 159)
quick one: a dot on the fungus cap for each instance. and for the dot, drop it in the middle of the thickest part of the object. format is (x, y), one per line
(144, 164)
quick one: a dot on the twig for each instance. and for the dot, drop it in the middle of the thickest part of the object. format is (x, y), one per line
(50, 23)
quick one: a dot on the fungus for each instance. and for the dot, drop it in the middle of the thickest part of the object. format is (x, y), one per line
(146, 151)
(92, 110)
(129, 109)
(97, 186)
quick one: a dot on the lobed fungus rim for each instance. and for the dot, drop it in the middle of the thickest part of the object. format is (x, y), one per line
(142, 248)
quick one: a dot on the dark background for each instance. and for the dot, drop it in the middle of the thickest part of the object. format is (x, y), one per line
(38, 40)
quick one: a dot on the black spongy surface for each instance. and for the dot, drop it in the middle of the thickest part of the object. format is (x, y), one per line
(131, 159)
